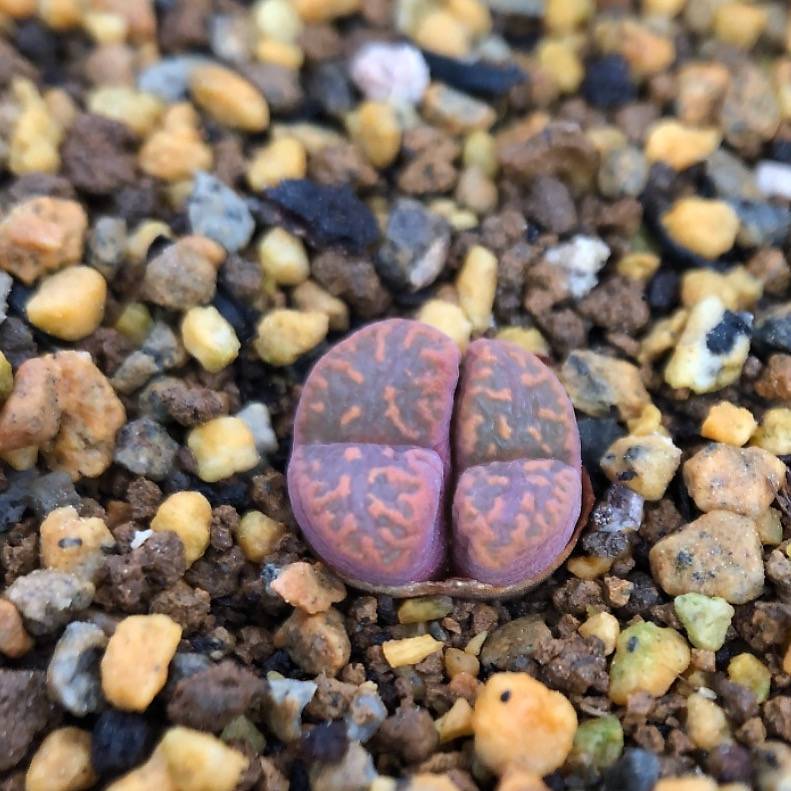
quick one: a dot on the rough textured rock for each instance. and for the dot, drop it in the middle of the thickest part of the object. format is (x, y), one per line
(718, 554)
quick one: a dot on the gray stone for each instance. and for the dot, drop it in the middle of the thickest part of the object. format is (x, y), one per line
(762, 223)
(107, 245)
(730, 176)
(510, 646)
(415, 247)
(179, 278)
(169, 78)
(287, 698)
(145, 448)
(51, 491)
(256, 416)
(366, 713)
(6, 282)
(216, 211)
(48, 599)
(623, 172)
(73, 676)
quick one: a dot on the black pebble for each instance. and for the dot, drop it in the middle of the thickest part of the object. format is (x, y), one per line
(720, 339)
(477, 77)
(331, 214)
(780, 150)
(635, 770)
(663, 290)
(607, 82)
(596, 435)
(120, 742)
(326, 742)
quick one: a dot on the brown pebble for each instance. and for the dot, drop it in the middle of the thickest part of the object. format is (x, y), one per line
(719, 554)
(317, 643)
(14, 639)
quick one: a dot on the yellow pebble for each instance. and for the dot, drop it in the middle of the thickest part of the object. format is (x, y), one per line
(69, 304)
(60, 14)
(283, 258)
(647, 51)
(139, 240)
(476, 284)
(36, 136)
(310, 296)
(564, 16)
(739, 23)
(198, 761)
(73, 543)
(456, 723)
(690, 783)
(152, 774)
(104, 27)
(222, 447)
(315, 11)
(448, 318)
(424, 608)
(517, 720)
(529, 338)
(410, 650)
(458, 661)
(285, 335)
(473, 14)
(649, 421)
(284, 158)
(138, 110)
(134, 322)
(278, 20)
(668, 8)
(604, 626)
(726, 422)
(62, 762)
(638, 266)
(375, 128)
(18, 9)
(258, 535)
(476, 643)
(6, 377)
(750, 672)
(480, 151)
(769, 527)
(188, 515)
(209, 338)
(736, 288)
(679, 145)
(176, 150)
(707, 227)
(21, 458)
(229, 99)
(441, 32)
(707, 725)
(279, 53)
(560, 60)
(134, 667)
(588, 567)
(787, 661)
(774, 433)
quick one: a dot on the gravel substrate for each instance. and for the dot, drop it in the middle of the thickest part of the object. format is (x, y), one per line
(200, 198)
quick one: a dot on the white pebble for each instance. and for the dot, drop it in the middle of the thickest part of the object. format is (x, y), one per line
(390, 72)
(581, 258)
(773, 179)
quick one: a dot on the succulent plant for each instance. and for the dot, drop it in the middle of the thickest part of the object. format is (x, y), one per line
(372, 470)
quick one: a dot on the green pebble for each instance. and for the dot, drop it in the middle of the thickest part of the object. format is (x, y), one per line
(705, 618)
(240, 729)
(599, 742)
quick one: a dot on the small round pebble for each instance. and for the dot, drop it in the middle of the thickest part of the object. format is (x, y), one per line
(121, 740)
(517, 720)
(705, 618)
(62, 762)
(647, 658)
(222, 447)
(134, 667)
(69, 304)
(188, 515)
